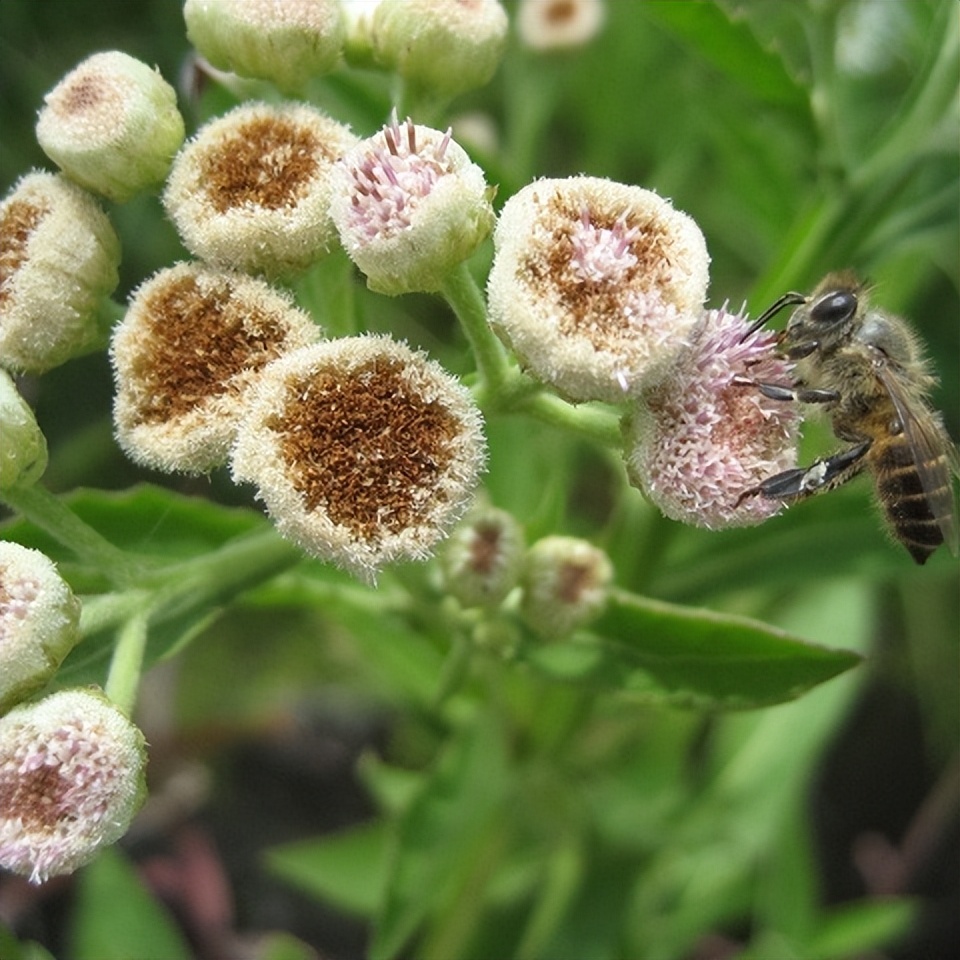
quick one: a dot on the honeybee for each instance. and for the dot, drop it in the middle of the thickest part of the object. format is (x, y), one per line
(865, 368)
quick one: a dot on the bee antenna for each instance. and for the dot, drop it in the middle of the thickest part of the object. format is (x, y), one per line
(787, 300)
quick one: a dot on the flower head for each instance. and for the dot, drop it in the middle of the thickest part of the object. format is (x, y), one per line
(595, 284)
(559, 24)
(285, 42)
(23, 453)
(409, 206)
(483, 558)
(364, 451)
(71, 779)
(566, 582)
(251, 191)
(39, 616)
(704, 435)
(58, 262)
(441, 47)
(190, 345)
(112, 125)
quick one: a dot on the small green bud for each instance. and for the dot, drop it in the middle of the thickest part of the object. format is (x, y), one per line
(285, 43)
(23, 452)
(566, 582)
(39, 616)
(58, 262)
(482, 559)
(409, 206)
(71, 778)
(112, 125)
(441, 47)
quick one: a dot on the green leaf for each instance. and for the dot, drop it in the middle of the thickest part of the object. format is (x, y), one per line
(449, 838)
(283, 946)
(147, 520)
(117, 919)
(730, 46)
(664, 653)
(347, 868)
(13, 949)
(859, 928)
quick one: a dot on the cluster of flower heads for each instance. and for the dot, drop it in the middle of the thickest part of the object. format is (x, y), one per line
(598, 288)
(363, 450)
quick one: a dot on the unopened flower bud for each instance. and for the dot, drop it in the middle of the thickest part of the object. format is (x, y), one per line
(23, 448)
(482, 559)
(441, 47)
(71, 779)
(251, 191)
(364, 451)
(595, 284)
(566, 582)
(559, 24)
(190, 345)
(409, 205)
(58, 262)
(112, 125)
(704, 435)
(39, 616)
(358, 44)
(285, 42)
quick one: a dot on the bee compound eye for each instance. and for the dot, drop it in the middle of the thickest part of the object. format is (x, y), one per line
(835, 307)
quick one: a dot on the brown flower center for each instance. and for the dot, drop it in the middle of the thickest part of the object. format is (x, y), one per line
(268, 162)
(365, 447)
(20, 219)
(195, 342)
(591, 304)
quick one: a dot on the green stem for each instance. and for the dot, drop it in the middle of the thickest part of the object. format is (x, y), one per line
(50, 514)
(217, 576)
(123, 680)
(106, 610)
(596, 423)
(466, 300)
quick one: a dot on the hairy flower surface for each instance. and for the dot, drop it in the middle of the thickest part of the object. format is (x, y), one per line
(363, 451)
(71, 779)
(566, 582)
(705, 435)
(251, 191)
(23, 452)
(409, 205)
(595, 284)
(190, 345)
(112, 125)
(39, 616)
(58, 262)
(286, 41)
(441, 47)
(559, 24)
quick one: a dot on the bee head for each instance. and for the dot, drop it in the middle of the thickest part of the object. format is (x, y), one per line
(827, 316)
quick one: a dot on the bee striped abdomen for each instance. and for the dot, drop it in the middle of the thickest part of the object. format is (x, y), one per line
(904, 500)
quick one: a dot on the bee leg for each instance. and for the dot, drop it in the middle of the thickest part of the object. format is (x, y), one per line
(776, 391)
(803, 482)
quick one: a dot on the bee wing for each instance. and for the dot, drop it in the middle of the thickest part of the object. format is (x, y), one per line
(933, 452)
